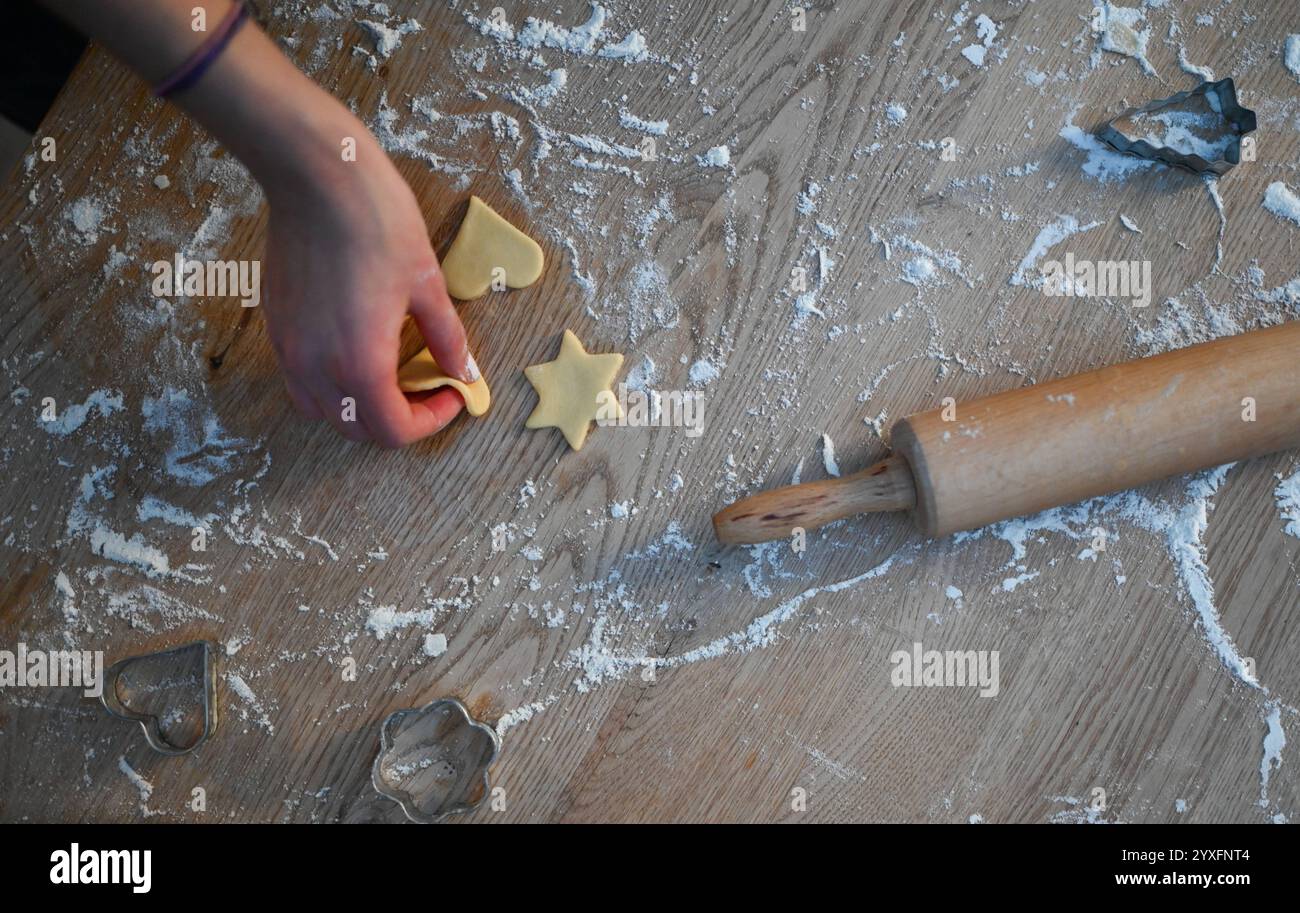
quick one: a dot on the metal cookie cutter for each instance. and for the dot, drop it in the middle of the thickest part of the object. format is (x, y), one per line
(1218, 98)
(433, 761)
(149, 722)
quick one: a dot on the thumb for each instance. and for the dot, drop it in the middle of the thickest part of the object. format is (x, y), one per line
(441, 328)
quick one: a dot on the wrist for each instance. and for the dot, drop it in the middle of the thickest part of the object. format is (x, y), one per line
(291, 134)
(312, 153)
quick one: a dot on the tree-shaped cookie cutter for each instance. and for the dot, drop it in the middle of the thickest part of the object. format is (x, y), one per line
(1221, 96)
(153, 734)
(433, 760)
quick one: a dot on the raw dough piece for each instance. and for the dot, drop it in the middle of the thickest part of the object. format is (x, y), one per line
(484, 242)
(569, 389)
(422, 373)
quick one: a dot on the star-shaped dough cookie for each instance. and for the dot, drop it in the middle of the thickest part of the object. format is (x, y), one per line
(570, 388)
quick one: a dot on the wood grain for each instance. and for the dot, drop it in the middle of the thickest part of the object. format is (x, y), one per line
(1107, 681)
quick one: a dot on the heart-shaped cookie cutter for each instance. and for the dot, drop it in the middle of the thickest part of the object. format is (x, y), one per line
(149, 722)
(437, 737)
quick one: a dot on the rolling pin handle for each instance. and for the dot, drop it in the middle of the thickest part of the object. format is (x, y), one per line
(776, 514)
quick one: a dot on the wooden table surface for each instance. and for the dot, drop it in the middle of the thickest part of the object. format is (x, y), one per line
(645, 673)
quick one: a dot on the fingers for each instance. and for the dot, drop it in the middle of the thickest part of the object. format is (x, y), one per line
(342, 411)
(443, 405)
(356, 390)
(377, 410)
(441, 328)
(394, 420)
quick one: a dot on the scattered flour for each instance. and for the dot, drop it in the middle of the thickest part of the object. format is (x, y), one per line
(102, 401)
(144, 787)
(1010, 583)
(253, 707)
(386, 38)
(87, 216)
(198, 448)
(586, 40)
(919, 271)
(1121, 32)
(828, 456)
(717, 157)
(1184, 530)
(1287, 494)
(388, 619)
(134, 551)
(703, 373)
(519, 715)
(642, 375)
(1203, 73)
(1049, 236)
(632, 122)
(1103, 164)
(68, 596)
(1291, 55)
(986, 30)
(1274, 742)
(1282, 202)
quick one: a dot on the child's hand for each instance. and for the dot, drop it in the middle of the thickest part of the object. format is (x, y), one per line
(347, 258)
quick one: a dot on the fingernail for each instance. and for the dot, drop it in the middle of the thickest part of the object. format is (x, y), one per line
(471, 369)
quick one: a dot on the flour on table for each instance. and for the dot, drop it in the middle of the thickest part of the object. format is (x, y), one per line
(435, 645)
(1282, 201)
(1287, 494)
(704, 372)
(986, 30)
(143, 786)
(386, 620)
(1050, 235)
(1121, 32)
(1291, 55)
(252, 708)
(1103, 163)
(717, 157)
(828, 457)
(1203, 73)
(652, 127)
(387, 38)
(1274, 742)
(104, 402)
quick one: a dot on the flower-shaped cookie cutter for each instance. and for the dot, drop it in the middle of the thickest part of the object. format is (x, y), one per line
(1220, 97)
(433, 760)
(153, 734)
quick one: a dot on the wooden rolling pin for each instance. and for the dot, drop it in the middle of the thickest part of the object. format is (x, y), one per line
(1058, 442)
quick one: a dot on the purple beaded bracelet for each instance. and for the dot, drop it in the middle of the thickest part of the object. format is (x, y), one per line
(188, 73)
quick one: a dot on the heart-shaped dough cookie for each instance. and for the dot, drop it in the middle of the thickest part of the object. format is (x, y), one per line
(422, 373)
(484, 242)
